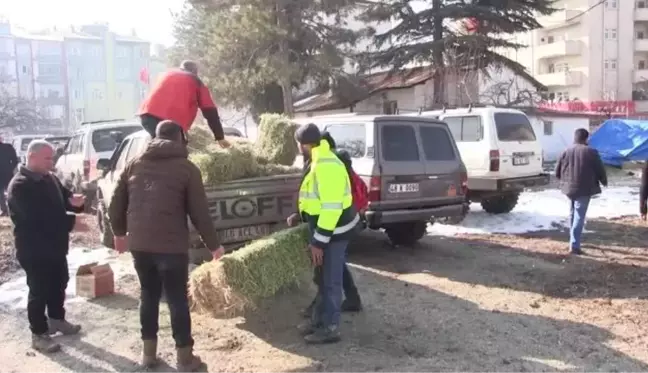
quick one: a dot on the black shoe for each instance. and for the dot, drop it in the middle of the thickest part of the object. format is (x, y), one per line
(323, 336)
(306, 328)
(351, 306)
(576, 252)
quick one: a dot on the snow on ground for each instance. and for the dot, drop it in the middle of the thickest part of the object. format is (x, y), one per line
(13, 294)
(542, 210)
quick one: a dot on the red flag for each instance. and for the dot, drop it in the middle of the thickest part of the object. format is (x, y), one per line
(144, 75)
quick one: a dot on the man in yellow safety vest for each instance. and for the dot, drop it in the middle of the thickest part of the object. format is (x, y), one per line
(326, 204)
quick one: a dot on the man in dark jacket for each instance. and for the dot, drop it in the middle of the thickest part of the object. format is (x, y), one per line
(643, 192)
(39, 207)
(177, 96)
(8, 163)
(580, 171)
(154, 194)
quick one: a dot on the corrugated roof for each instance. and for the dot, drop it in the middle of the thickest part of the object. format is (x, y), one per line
(369, 85)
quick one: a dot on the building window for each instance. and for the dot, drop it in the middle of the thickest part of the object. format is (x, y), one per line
(611, 4)
(120, 95)
(562, 96)
(142, 92)
(77, 94)
(610, 33)
(641, 4)
(552, 68)
(24, 69)
(640, 35)
(52, 93)
(610, 64)
(550, 39)
(548, 127)
(641, 65)
(80, 115)
(97, 94)
(609, 95)
(390, 107)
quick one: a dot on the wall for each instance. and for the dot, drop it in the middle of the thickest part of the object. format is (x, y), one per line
(562, 135)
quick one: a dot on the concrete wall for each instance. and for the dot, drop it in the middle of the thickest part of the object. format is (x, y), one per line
(560, 137)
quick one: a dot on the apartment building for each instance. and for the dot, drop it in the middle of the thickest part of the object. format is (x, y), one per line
(83, 74)
(590, 50)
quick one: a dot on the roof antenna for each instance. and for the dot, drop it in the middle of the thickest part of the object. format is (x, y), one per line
(443, 108)
(470, 107)
(420, 110)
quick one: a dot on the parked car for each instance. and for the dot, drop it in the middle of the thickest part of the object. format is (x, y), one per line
(59, 142)
(21, 142)
(231, 131)
(245, 209)
(76, 166)
(411, 165)
(501, 152)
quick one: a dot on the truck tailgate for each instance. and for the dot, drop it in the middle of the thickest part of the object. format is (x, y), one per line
(248, 209)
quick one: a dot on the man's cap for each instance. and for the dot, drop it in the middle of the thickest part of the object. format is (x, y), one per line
(308, 134)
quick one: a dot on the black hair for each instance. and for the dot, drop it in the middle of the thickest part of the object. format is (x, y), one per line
(581, 135)
(169, 130)
(327, 136)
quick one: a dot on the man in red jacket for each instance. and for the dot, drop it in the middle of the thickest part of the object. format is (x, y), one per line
(177, 96)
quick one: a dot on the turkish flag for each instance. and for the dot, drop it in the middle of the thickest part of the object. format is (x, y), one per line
(144, 75)
(471, 25)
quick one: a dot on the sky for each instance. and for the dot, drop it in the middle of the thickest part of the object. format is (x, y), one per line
(151, 19)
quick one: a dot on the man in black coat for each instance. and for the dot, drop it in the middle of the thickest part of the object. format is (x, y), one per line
(580, 171)
(8, 163)
(39, 207)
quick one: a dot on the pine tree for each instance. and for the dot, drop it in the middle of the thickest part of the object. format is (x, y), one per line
(250, 48)
(438, 35)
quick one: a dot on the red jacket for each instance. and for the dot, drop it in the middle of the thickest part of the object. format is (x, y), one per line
(359, 191)
(177, 96)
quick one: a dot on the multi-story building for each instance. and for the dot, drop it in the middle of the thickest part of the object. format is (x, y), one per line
(590, 50)
(79, 75)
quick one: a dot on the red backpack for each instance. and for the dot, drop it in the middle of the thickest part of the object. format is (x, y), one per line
(359, 191)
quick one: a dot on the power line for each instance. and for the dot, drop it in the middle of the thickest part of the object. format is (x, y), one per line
(585, 11)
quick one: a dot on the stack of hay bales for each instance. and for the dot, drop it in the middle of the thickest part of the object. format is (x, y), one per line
(272, 154)
(257, 271)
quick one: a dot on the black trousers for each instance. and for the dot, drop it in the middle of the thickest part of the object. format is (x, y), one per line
(171, 273)
(47, 281)
(150, 122)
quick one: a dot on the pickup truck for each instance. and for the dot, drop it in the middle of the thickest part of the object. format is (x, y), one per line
(243, 210)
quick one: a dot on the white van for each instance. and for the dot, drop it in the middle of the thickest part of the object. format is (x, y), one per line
(77, 165)
(21, 142)
(500, 150)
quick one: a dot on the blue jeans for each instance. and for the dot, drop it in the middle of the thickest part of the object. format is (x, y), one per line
(578, 210)
(328, 302)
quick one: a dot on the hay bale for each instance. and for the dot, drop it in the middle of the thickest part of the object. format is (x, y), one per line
(276, 140)
(257, 271)
(276, 169)
(200, 137)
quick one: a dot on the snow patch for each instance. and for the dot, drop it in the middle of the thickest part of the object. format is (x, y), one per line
(543, 210)
(13, 294)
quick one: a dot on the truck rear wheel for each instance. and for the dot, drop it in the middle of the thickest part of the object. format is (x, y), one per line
(406, 233)
(501, 204)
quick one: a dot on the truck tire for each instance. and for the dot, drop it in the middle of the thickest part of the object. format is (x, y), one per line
(106, 234)
(501, 204)
(407, 233)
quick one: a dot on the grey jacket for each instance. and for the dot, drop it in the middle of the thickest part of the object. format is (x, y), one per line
(580, 171)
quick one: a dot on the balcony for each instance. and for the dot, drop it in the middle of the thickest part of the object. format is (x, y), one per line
(559, 48)
(640, 76)
(641, 45)
(560, 18)
(641, 14)
(561, 79)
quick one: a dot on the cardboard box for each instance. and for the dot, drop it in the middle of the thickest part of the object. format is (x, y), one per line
(94, 280)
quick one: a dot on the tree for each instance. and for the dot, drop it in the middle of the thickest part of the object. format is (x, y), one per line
(22, 114)
(466, 32)
(250, 50)
(510, 93)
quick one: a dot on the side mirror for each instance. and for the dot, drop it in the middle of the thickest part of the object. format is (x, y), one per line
(103, 164)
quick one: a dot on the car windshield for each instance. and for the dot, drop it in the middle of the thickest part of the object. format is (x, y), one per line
(513, 127)
(24, 144)
(103, 141)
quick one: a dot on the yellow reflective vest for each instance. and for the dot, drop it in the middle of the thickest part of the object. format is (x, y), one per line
(325, 197)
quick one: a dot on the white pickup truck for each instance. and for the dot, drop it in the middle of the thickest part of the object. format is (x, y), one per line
(500, 150)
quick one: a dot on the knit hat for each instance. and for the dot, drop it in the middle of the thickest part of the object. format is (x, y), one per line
(308, 134)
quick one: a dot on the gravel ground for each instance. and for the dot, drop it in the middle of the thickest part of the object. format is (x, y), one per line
(470, 303)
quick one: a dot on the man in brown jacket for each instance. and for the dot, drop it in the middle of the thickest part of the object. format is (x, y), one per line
(154, 194)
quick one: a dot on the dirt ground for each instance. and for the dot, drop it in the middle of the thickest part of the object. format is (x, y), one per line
(472, 303)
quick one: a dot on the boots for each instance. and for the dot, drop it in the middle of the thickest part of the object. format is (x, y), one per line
(323, 335)
(44, 343)
(63, 326)
(149, 353)
(187, 361)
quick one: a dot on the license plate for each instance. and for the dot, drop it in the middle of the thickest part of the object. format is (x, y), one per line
(244, 233)
(404, 188)
(520, 161)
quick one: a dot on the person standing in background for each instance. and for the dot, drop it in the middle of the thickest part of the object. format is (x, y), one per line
(152, 198)
(581, 172)
(643, 192)
(41, 210)
(177, 96)
(8, 163)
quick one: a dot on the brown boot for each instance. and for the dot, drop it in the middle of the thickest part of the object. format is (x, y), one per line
(149, 353)
(63, 326)
(44, 343)
(187, 361)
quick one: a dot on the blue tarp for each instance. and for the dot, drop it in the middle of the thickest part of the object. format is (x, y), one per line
(621, 140)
